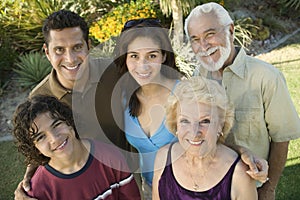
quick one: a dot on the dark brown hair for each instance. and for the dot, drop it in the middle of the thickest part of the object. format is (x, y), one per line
(23, 122)
(159, 35)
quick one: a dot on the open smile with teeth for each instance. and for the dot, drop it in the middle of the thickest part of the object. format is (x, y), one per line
(62, 145)
(143, 75)
(208, 52)
(195, 142)
(72, 67)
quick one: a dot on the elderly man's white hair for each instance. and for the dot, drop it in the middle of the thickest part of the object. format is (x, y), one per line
(221, 14)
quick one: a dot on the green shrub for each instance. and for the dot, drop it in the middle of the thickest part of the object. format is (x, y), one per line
(7, 58)
(23, 20)
(31, 69)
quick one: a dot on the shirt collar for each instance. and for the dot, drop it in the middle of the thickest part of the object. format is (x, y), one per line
(238, 66)
(58, 90)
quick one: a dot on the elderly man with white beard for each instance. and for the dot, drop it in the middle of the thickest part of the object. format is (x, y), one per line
(265, 117)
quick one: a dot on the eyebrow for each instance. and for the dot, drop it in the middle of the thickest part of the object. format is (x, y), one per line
(35, 135)
(154, 51)
(206, 31)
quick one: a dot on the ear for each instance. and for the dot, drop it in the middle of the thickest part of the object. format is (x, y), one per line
(89, 44)
(164, 58)
(231, 29)
(46, 51)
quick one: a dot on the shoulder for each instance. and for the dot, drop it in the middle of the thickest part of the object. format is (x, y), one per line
(42, 88)
(258, 66)
(242, 184)
(109, 155)
(161, 157)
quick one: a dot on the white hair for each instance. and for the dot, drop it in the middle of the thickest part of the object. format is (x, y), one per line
(221, 14)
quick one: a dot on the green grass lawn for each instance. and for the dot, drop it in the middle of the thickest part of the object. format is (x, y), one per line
(286, 58)
(11, 170)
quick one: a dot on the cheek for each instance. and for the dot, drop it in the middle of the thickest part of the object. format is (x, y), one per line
(130, 65)
(195, 48)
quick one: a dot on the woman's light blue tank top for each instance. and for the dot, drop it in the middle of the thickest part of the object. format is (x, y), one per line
(146, 146)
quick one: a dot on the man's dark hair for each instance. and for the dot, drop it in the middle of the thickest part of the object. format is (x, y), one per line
(64, 19)
(24, 127)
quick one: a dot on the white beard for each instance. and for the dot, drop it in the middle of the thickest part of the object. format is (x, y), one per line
(211, 65)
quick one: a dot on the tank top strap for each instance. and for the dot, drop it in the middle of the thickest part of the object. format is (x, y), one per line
(174, 86)
(231, 169)
(169, 159)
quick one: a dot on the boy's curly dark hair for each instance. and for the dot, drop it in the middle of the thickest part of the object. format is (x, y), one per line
(23, 124)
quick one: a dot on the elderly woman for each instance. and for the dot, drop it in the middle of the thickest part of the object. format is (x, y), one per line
(199, 165)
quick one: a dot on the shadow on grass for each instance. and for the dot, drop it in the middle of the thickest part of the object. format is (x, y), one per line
(288, 187)
(285, 62)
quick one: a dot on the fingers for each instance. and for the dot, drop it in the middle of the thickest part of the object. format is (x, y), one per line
(20, 193)
(259, 176)
(26, 185)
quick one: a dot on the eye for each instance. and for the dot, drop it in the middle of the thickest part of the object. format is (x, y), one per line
(78, 47)
(210, 34)
(194, 40)
(59, 50)
(204, 122)
(39, 137)
(152, 56)
(184, 121)
(132, 55)
(57, 124)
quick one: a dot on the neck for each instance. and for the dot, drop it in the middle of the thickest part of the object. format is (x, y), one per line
(157, 89)
(75, 161)
(196, 160)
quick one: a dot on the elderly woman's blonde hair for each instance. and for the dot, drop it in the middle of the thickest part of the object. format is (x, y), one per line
(201, 90)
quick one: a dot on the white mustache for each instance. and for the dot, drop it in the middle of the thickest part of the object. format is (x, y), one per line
(208, 52)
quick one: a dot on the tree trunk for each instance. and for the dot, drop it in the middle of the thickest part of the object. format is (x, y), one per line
(178, 23)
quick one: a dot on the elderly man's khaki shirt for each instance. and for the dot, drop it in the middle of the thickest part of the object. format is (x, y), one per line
(264, 111)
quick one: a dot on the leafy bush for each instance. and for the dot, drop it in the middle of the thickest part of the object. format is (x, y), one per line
(32, 68)
(111, 24)
(23, 19)
(92, 10)
(7, 58)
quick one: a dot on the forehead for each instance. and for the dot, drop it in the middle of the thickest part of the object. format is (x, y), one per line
(43, 120)
(66, 36)
(143, 43)
(199, 24)
(194, 108)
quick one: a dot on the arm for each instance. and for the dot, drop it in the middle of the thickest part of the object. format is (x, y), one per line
(277, 159)
(258, 166)
(159, 164)
(24, 185)
(243, 186)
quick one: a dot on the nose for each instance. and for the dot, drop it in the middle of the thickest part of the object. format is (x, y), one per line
(197, 128)
(70, 56)
(201, 46)
(53, 136)
(143, 62)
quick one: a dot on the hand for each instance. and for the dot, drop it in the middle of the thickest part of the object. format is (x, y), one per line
(266, 193)
(258, 166)
(20, 193)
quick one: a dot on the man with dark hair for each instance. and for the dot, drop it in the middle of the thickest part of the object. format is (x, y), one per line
(75, 80)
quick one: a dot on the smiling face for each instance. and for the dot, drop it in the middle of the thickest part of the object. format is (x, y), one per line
(210, 41)
(66, 52)
(144, 64)
(53, 137)
(197, 127)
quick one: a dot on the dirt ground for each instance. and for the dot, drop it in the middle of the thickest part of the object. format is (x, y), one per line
(11, 97)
